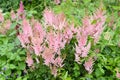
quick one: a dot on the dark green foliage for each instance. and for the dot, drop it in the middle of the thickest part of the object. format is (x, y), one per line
(7, 5)
(37, 5)
(41, 72)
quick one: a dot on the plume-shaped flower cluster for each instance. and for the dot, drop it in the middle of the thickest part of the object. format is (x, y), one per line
(1, 17)
(4, 24)
(20, 12)
(89, 65)
(92, 26)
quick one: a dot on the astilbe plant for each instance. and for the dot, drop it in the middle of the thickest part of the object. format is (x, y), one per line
(47, 39)
(59, 34)
(92, 26)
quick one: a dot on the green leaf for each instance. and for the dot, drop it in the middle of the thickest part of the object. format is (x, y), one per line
(68, 78)
(2, 78)
(25, 78)
(5, 41)
(1, 35)
(98, 72)
(76, 67)
(18, 58)
(19, 78)
(12, 57)
(86, 1)
(18, 72)
(17, 41)
(8, 72)
(65, 76)
(116, 7)
(13, 25)
(12, 66)
(21, 65)
(2, 60)
(13, 33)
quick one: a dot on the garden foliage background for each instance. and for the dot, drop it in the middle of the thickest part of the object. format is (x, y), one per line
(105, 54)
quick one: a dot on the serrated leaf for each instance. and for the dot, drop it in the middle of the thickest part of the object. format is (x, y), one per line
(98, 72)
(19, 72)
(18, 58)
(12, 66)
(12, 57)
(21, 65)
